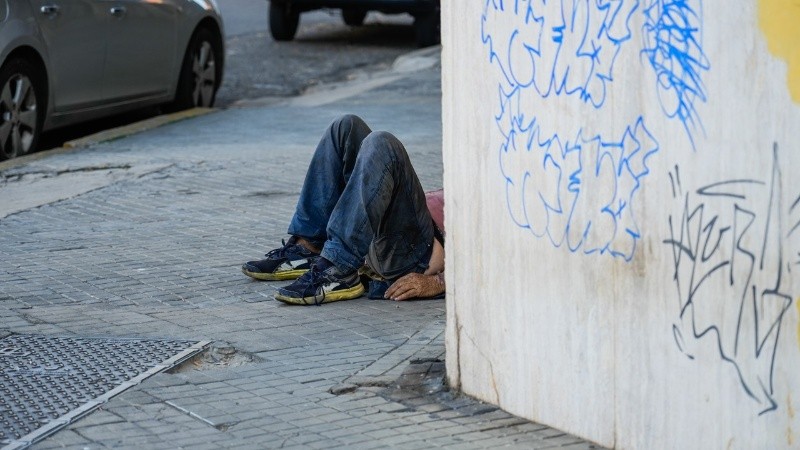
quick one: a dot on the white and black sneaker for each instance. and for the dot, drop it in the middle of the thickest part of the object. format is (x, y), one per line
(284, 263)
(324, 283)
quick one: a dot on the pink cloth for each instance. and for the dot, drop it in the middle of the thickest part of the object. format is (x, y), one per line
(435, 201)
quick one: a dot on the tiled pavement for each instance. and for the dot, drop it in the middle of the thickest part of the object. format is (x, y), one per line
(158, 255)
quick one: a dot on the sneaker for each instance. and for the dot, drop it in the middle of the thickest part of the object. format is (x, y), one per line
(285, 263)
(324, 283)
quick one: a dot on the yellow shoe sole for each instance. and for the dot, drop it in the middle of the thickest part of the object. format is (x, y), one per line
(279, 276)
(330, 297)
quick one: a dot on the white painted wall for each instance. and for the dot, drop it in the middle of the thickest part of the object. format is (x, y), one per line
(622, 213)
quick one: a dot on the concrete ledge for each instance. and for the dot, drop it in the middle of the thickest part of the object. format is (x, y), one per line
(360, 82)
(137, 127)
(108, 135)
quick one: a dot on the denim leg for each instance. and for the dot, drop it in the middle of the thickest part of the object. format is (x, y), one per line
(327, 175)
(381, 211)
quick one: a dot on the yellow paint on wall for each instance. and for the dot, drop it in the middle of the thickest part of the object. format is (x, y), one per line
(779, 20)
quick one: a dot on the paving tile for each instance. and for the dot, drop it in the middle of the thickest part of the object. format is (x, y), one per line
(159, 256)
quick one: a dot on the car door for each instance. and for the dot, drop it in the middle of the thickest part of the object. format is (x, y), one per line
(141, 48)
(74, 32)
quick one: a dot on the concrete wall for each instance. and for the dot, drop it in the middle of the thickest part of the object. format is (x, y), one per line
(622, 209)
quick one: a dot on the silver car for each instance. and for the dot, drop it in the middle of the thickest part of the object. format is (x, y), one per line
(66, 61)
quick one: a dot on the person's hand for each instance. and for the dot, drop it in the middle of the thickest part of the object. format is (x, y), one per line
(415, 285)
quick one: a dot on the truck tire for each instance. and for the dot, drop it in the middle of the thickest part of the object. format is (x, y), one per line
(354, 17)
(283, 20)
(427, 29)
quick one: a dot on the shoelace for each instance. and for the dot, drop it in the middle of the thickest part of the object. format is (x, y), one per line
(316, 276)
(279, 252)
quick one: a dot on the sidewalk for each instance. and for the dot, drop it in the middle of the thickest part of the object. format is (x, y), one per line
(147, 240)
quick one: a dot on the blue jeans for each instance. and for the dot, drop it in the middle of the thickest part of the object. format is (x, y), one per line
(362, 198)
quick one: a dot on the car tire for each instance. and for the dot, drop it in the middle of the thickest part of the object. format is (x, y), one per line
(22, 107)
(283, 20)
(427, 28)
(354, 17)
(201, 72)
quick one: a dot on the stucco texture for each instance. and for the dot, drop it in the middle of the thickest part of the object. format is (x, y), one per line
(623, 217)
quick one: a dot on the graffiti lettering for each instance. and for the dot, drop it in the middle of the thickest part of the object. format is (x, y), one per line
(557, 47)
(728, 249)
(592, 185)
(575, 188)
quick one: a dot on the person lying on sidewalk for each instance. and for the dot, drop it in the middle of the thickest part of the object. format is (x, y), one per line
(362, 210)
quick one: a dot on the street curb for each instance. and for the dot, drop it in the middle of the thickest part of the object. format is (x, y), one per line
(136, 127)
(323, 94)
(108, 135)
(420, 59)
(22, 160)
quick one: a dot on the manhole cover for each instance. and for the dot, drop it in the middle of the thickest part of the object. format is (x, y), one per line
(48, 382)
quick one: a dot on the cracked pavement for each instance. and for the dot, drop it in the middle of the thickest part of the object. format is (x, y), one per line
(144, 237)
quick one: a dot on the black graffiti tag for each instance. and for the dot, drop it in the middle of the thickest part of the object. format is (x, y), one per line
(731, 258)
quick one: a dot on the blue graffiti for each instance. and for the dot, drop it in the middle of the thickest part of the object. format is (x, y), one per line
(673, 47)
(578, 193)
(561, 48)
(575, 188)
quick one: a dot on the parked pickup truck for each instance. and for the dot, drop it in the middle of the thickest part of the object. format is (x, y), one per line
(284, 15)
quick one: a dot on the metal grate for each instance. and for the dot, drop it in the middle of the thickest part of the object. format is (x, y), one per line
(48, 382)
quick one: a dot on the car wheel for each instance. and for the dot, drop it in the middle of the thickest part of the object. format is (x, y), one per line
(427, 29)
(283, 20)
(201, 72)
(354, 17)
(22, 108)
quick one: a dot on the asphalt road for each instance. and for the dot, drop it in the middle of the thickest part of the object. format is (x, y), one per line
(325, 50)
